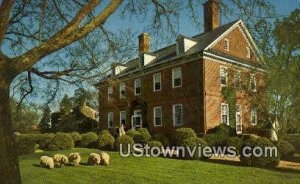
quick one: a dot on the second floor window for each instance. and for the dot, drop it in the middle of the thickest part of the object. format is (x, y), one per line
(252, 82)
(137, 87)
(237, 79)
(109, 92)
(177, 115)
(110, 118)
(224, 114)
(253, 116)
(223, 76)
(157, 113)
(157, 82)
(176, 77)
(122, 90)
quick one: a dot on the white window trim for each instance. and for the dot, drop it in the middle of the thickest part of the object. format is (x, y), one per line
(173, 74)
(252, 110)
(112, 118)
(253, 77)
(154, 81)
(135, 114)
(154, 116)
(241, 121)
(137, 94)
(122, 83)
(174, 115)
(121, 117)
(226, 41)
(248, 52)
(223, 67)
(108, 92)
(224, 114)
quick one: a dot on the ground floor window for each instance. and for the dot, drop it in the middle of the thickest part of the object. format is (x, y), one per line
(122, 118)
(136, 119)
(238, 119)
(157, 116)
(224, 114)
(110, 117)
(177, 114)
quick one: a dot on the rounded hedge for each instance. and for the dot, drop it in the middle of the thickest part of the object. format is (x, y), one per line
(181, 134)
(233, 142)
(76, 137)
(61, 141)
(194, 143)
(286, 149)
(124, 140)
(106, 141)
(143, 137)
(104, 132)
(25, 145)
(154, 143)
(222, 129)
(215, 140)
(45, 140)
(89, 140)
(161, 138)
(266, 160)
(133, 133)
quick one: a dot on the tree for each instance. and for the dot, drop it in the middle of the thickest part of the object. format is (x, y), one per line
(46, 120)
(33, 30)
(65, 105)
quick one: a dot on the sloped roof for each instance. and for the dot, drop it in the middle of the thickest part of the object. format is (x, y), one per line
(168, 53)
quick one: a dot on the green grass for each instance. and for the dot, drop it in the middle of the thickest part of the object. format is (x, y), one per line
(148, 170)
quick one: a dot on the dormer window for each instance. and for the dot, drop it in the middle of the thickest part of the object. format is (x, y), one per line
(248, 52)
(183, 44)
(146, 59)
(117, 69)
(109, 92)
(226, 44)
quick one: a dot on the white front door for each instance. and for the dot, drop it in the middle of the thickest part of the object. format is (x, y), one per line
(136, 119)
(238, 119)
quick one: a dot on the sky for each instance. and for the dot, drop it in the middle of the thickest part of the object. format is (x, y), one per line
(115, 23)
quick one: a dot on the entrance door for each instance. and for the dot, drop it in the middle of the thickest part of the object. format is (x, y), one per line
(136, 119)
(238, 119)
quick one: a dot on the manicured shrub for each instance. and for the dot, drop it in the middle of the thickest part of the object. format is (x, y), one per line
(194, 144)
(126, 142)
(104, 132)
(181, 134)
(154, 143)
(134, 134)
(293, 139)
(285, 149)
(233, 141)
(76, 137)
(143, 137)
(266, 160)
(25, 145)
(45, 140)
(61, 141)
(89, 140)
(161, 138)
(222, 129)
(215, 140)
(106, 141)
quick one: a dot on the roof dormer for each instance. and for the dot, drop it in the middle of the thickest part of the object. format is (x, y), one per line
(146, 58)
(183, 44)
(117, 68)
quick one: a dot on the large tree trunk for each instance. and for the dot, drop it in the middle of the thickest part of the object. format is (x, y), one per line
(9, 165)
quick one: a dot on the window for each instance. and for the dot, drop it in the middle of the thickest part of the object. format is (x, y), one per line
(122, 90)
(238, 119)
(226, 44)
(136, 119)
(252, 82)
(137, 87)
(157, 113)
(224, 114)
(122, 118)
(157, 82)
(253, 116)
(223, 76)
(248, 52)
(109, 92)
(177, 115)
(176, 77)
(237, 79)
(110, 118)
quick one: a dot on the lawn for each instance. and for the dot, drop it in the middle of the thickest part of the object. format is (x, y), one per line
(148, 170)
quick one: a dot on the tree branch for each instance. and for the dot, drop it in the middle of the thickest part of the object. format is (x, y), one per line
(5, 9)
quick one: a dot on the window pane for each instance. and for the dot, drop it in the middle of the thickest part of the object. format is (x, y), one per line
(178, 115)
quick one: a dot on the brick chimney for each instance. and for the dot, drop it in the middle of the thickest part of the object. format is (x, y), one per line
(144, 43)
(211, 15)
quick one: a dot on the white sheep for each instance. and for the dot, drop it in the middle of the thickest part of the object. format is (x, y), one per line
(94, 159)
(104, 158)
(60, 160)
(74, 159)
(47, 162)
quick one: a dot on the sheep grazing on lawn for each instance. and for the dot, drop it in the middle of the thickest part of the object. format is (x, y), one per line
(60, 160)
(104, 158)
(94, 159)
(74, 159)
(47, 162)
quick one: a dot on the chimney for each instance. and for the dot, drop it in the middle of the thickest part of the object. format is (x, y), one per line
(211, 15)
(144, 43)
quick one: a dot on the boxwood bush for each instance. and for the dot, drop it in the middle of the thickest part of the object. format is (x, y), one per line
(133, 133)
(76, 138)
(61, 141)
(124, 140)
(286, 149)
(193, 143)
(105, 141)
(154, 143)
(45, 140)
(89, 140)
(143, 137)
(233, 141)
(215, 140)
(181, 134)
(265, 161)
(222, 129)
(161, 138)
(293, 139)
